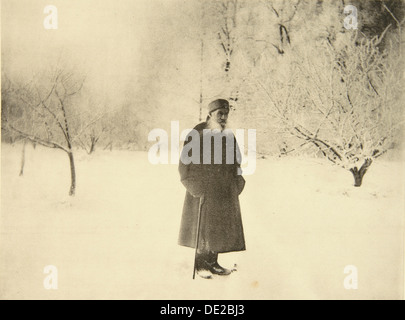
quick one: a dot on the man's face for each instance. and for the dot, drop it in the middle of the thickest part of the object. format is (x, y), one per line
(221, 116)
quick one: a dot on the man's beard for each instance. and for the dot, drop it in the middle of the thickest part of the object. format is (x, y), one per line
(212, 124)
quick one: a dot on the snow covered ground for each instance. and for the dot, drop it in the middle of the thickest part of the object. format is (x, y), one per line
(117, 238)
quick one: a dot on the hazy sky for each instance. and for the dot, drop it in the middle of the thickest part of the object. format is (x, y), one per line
(115, 42)
(94, 30)
(102, 38)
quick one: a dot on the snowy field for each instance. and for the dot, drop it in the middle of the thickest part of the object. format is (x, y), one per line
(117, 238)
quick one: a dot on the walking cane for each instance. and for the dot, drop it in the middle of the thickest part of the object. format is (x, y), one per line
(198, 234)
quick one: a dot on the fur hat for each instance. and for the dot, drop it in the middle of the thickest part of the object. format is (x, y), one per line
(218, 104)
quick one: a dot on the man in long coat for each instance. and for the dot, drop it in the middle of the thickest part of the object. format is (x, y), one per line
(210, 170)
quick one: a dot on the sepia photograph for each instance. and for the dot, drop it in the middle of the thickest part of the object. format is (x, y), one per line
(207, 150)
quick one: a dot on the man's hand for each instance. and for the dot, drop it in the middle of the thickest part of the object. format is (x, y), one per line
(194, 187)
(240, 184)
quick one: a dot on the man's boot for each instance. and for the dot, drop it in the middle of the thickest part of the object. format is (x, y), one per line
(212, 265)
(201, 265)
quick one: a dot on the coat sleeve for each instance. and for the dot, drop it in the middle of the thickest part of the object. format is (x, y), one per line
(240, 181)
(190, 174)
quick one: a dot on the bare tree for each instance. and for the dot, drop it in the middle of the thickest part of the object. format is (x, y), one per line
(283, 12)
(45, 119)
(225, 22)
(92, 126)
(399, 25)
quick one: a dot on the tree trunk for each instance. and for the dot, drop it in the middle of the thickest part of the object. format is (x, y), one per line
(108, 146)
(93, 142)
(73, 174)
(359, 174)
(92, 147)
(23, 159)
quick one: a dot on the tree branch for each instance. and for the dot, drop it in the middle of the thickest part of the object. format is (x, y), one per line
(33, 138)
(392, 15)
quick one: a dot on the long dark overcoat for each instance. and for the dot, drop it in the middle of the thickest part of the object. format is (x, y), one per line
(221, 227)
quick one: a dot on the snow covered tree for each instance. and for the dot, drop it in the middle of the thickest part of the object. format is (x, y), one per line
(345, 104)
